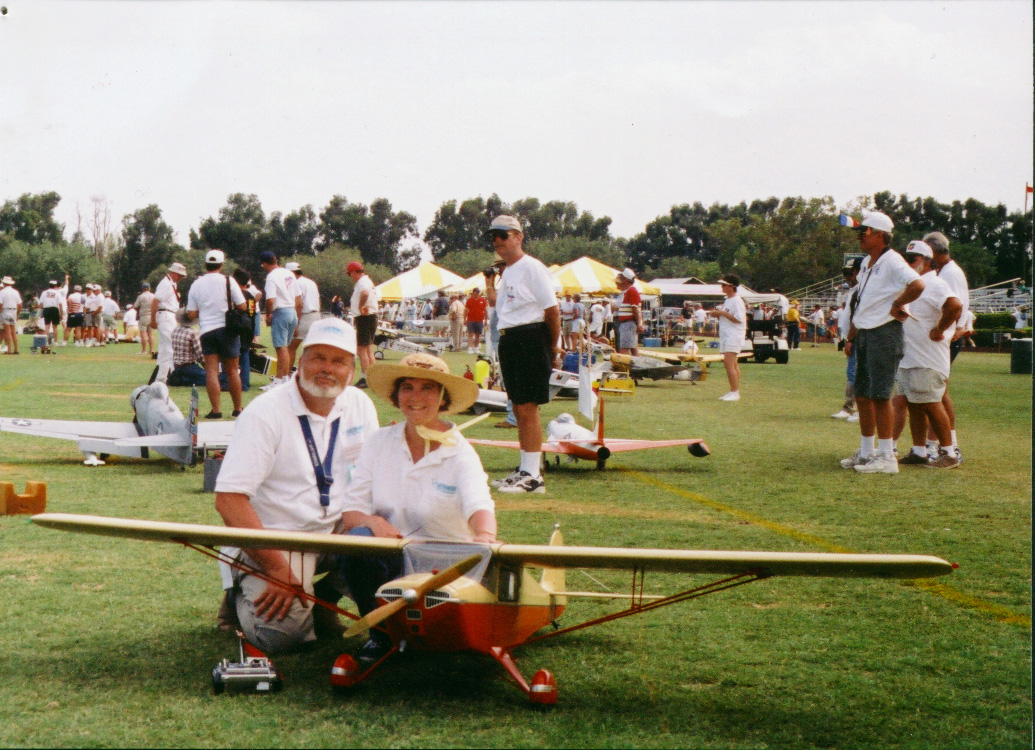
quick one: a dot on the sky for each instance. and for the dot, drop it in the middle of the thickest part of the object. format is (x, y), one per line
(625, 108)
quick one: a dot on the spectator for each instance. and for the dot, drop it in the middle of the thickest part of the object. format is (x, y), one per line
(732, 319)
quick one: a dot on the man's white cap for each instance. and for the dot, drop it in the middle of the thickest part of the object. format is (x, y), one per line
(53, 282)
(919, 247)
(628, 274)
(332, 332)
(178, 268)
(293, 266)
(877, 220)
(506, 222)
(107, 293)
(8, 280)
(214, 256)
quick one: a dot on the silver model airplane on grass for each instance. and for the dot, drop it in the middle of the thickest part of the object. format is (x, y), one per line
(158, 426)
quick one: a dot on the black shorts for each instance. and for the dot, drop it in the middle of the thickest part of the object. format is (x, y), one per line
(222, 343)
(52, 315)
(75, 320)
(526, 363)
(955, 348)
(366, 327)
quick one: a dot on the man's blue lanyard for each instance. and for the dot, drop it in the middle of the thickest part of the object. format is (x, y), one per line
(324, 480)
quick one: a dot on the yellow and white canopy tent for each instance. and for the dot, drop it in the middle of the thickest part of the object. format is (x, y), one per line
(425, 279)
(478, 282)
(588, 276)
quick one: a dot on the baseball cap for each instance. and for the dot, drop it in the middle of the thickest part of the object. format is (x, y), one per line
(332, 332)
(77, 288)
(267, 256)
(919, 247)
(215, 256)
(53, 282)
(628, 274)
(145, 285)
(877, 220)
(107, 292)
(293, 266)
(354, 266)
(506, 222)
(853, 265)
(178, 268)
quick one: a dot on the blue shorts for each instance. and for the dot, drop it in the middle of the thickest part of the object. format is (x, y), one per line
(476, 327)
(282, 326)
(222, 343)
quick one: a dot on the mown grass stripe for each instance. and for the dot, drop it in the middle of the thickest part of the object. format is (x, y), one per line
(998, 612)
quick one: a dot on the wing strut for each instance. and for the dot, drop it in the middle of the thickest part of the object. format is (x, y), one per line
(639, 604)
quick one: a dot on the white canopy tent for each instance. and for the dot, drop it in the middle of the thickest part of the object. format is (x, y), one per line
(425, 279)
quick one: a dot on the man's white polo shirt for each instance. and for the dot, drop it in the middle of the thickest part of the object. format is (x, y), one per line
(430, 499)
(268, 461)
(281, 287)
(953, 275)
(878, 287)
(525, 291)
(207, 296)
(920, 351)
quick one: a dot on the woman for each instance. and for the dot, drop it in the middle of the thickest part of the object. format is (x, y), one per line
(732, 316)
(419, 479)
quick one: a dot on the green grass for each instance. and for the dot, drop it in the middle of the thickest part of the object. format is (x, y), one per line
(110, 643)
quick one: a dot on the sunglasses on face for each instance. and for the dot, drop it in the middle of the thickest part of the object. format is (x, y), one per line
(499, 234)
(911, 258)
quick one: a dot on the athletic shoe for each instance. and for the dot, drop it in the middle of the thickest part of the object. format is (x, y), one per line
(525, 482)
(842, 414)
(361, 383)
(944, 461)
(63, 343)
(214, 415)
(853, 418)
(856, 460)
(959, 453)
(912, 459)
(512, 477)
(506, 425)
(731, 396)
(375, 648)
(882, 463)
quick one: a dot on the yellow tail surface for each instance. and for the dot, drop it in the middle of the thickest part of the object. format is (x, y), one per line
(553, 578)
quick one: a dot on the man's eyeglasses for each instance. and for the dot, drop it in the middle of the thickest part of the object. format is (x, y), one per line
(499, 234)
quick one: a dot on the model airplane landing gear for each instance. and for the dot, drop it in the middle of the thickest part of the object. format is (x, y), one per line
(542, 692)
(253, 672)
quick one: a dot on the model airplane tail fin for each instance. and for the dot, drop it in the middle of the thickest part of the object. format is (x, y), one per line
(553, 578)
(190, 428)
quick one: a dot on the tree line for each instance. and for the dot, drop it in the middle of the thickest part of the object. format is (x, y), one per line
(772, 243)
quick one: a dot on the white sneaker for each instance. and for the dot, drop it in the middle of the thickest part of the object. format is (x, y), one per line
(63, 343)
(853, 418)
(841, 415)
(509, 479)
(524, 482)
(731, 396)
(856, 459)
(882, 463)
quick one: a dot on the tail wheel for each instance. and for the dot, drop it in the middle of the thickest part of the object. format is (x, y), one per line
(543, 694)
(218, 686)
(344, 673)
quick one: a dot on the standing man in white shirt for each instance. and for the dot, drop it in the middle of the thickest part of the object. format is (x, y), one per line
(52, 306)
(283, 309)
(288, 467)
(363, 306)
(10, 309)
(163, 316)
(924, 370)
(529, 328)
(732, 318)
(208, 302)
(886, 285)
(143, 307)
(310, 313)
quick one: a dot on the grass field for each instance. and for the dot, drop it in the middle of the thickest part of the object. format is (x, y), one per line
(110, 643)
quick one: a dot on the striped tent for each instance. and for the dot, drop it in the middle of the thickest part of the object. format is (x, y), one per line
(478, 282)
(588, 276)
(425, 279)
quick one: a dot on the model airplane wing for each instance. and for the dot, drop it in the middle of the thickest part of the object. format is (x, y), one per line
(546, 556)
(68, 430)
(620, 446)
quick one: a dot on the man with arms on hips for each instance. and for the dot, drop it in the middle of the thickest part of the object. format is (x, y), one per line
(950, 272)
(363, 306)
(163, 316)
(732, 318)
(288, 467)
(475, 312)
(629, 315)
(92, 314)
(207, 302)
(75, 302)
(10, 309)
(283, 309)
(529, 327)
(52, 307)
(924, 369)
(310, 294)
(143, 307)
(886, 285)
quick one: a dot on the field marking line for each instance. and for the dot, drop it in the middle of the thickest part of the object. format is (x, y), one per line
(998, 612)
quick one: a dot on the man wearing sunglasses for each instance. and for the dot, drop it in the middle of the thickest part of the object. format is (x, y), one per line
(529, 329)
(886, 285)
(923, 372)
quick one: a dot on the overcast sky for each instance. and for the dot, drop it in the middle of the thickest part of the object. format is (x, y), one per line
(623, 108)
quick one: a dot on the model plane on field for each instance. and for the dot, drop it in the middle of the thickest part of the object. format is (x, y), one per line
(485, 598)
(641, 367)
(158, 426)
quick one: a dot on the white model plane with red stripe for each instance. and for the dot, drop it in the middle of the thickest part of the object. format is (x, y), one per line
(485, 598)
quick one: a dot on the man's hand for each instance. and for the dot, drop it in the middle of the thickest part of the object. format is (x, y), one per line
(276, 600)
(898, 312)
(936, 335)
(848, 348)
(485, 537)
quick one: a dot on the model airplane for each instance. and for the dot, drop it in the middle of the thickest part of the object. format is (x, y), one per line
(485, 599)
(640, 367)
(158, 425)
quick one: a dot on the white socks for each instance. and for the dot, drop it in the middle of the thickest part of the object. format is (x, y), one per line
(530, 462)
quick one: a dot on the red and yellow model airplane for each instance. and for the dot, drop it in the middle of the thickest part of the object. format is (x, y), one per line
(485, 598)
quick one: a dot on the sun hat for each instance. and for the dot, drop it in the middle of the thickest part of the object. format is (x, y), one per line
(8, 280)
(506, 223)
(332, 332)
(178, 268)
(381, 377)
(215, 256)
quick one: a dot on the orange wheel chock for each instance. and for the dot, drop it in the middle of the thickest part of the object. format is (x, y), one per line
(32, 502)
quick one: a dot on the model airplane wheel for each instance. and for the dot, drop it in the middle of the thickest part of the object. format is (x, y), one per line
(543, 693)
(218, 686)
(277, 683)
(601, 464)
(104, 456)
(344, 674)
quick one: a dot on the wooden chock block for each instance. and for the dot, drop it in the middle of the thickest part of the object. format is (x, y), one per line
(33, 501)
